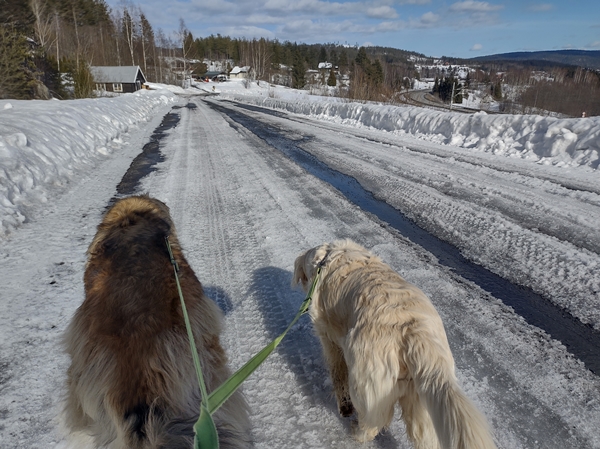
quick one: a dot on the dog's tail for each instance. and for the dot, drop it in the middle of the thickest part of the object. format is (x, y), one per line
(178, 433)
(457, 422)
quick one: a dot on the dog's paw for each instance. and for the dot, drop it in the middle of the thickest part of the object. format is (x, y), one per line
(363, 435)
(346, 408)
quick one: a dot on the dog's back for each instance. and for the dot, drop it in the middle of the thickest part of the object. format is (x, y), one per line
(131, 382)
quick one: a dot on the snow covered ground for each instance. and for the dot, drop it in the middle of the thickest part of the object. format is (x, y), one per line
(60, 163)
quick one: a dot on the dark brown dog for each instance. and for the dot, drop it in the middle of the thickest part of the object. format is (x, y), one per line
(131, 383)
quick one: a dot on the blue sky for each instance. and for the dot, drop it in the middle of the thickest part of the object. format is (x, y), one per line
(433, 27)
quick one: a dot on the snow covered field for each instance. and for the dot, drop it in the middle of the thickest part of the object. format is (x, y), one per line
(517, 194)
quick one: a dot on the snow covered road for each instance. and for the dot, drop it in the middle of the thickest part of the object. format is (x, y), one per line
(244, 211)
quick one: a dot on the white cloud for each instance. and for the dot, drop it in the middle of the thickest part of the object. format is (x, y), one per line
(317, 31)
(474, 6)
(541, 7)
(311, 7)
(382, 12)
(476, 47)
(248, 32)
(429, 19)
(413, 2)
(390, 26)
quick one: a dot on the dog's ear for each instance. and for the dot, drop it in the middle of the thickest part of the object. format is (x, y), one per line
(320, 253)
(299, 273)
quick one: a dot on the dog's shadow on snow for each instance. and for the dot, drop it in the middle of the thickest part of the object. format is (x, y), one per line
(278, 303)
(218, 295)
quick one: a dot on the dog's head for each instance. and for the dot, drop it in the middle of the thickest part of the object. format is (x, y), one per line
(133, 220)
(305, 265)
(327, 255)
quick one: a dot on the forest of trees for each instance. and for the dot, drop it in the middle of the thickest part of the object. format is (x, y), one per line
(47, 47)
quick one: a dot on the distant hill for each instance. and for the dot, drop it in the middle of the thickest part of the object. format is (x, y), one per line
(579, 58)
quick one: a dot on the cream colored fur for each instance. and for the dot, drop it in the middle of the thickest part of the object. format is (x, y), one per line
(384, 343)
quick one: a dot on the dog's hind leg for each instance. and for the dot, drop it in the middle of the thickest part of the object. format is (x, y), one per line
(374, 392)
(338, 371)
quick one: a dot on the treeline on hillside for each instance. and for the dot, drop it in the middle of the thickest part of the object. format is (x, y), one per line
(521, 88)
(376, 72)
(47, 46)
(540, 86)
(567, 90)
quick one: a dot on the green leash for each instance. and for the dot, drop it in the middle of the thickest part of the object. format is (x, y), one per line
(205, 431)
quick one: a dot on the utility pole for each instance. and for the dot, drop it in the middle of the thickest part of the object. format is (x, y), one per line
(452, 97)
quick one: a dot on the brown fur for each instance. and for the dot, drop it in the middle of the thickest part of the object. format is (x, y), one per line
(384, 344)
(131, 383)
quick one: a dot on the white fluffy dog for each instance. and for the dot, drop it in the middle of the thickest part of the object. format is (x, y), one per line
(384, 343)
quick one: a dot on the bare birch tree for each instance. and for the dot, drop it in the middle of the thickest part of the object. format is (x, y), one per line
(128, 26)
(43, 25)
(186, 40)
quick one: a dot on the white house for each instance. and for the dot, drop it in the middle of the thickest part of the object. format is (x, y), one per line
(240, 72)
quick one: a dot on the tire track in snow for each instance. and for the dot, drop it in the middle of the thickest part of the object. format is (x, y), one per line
(464, 324)
(220, 236)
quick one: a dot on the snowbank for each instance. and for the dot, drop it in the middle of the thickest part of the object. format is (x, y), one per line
(43, 144)
(545, 140)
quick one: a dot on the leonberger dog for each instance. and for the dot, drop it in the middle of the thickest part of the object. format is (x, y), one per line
(131, 382)
(384, 343)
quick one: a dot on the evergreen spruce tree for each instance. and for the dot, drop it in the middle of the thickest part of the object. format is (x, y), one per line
(84, 82)
(458, 92)
(17, 79)
(497, 91)
(362, 59)
(49, 76)
(298, 71)
(323, 55)
(332, 81)
(334, 59)
(18, 14)
(343, 61)
(376, 73)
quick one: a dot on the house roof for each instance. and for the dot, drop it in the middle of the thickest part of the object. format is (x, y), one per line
(116, 74)
(237, 69)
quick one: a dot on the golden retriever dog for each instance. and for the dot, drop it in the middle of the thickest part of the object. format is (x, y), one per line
(131, 382)
(384, 343)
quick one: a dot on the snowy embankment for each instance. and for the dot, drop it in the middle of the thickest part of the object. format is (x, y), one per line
(545, 140)
(45, 144)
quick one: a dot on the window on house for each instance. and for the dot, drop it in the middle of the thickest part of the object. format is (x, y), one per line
(100, 86)
(117, 87)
